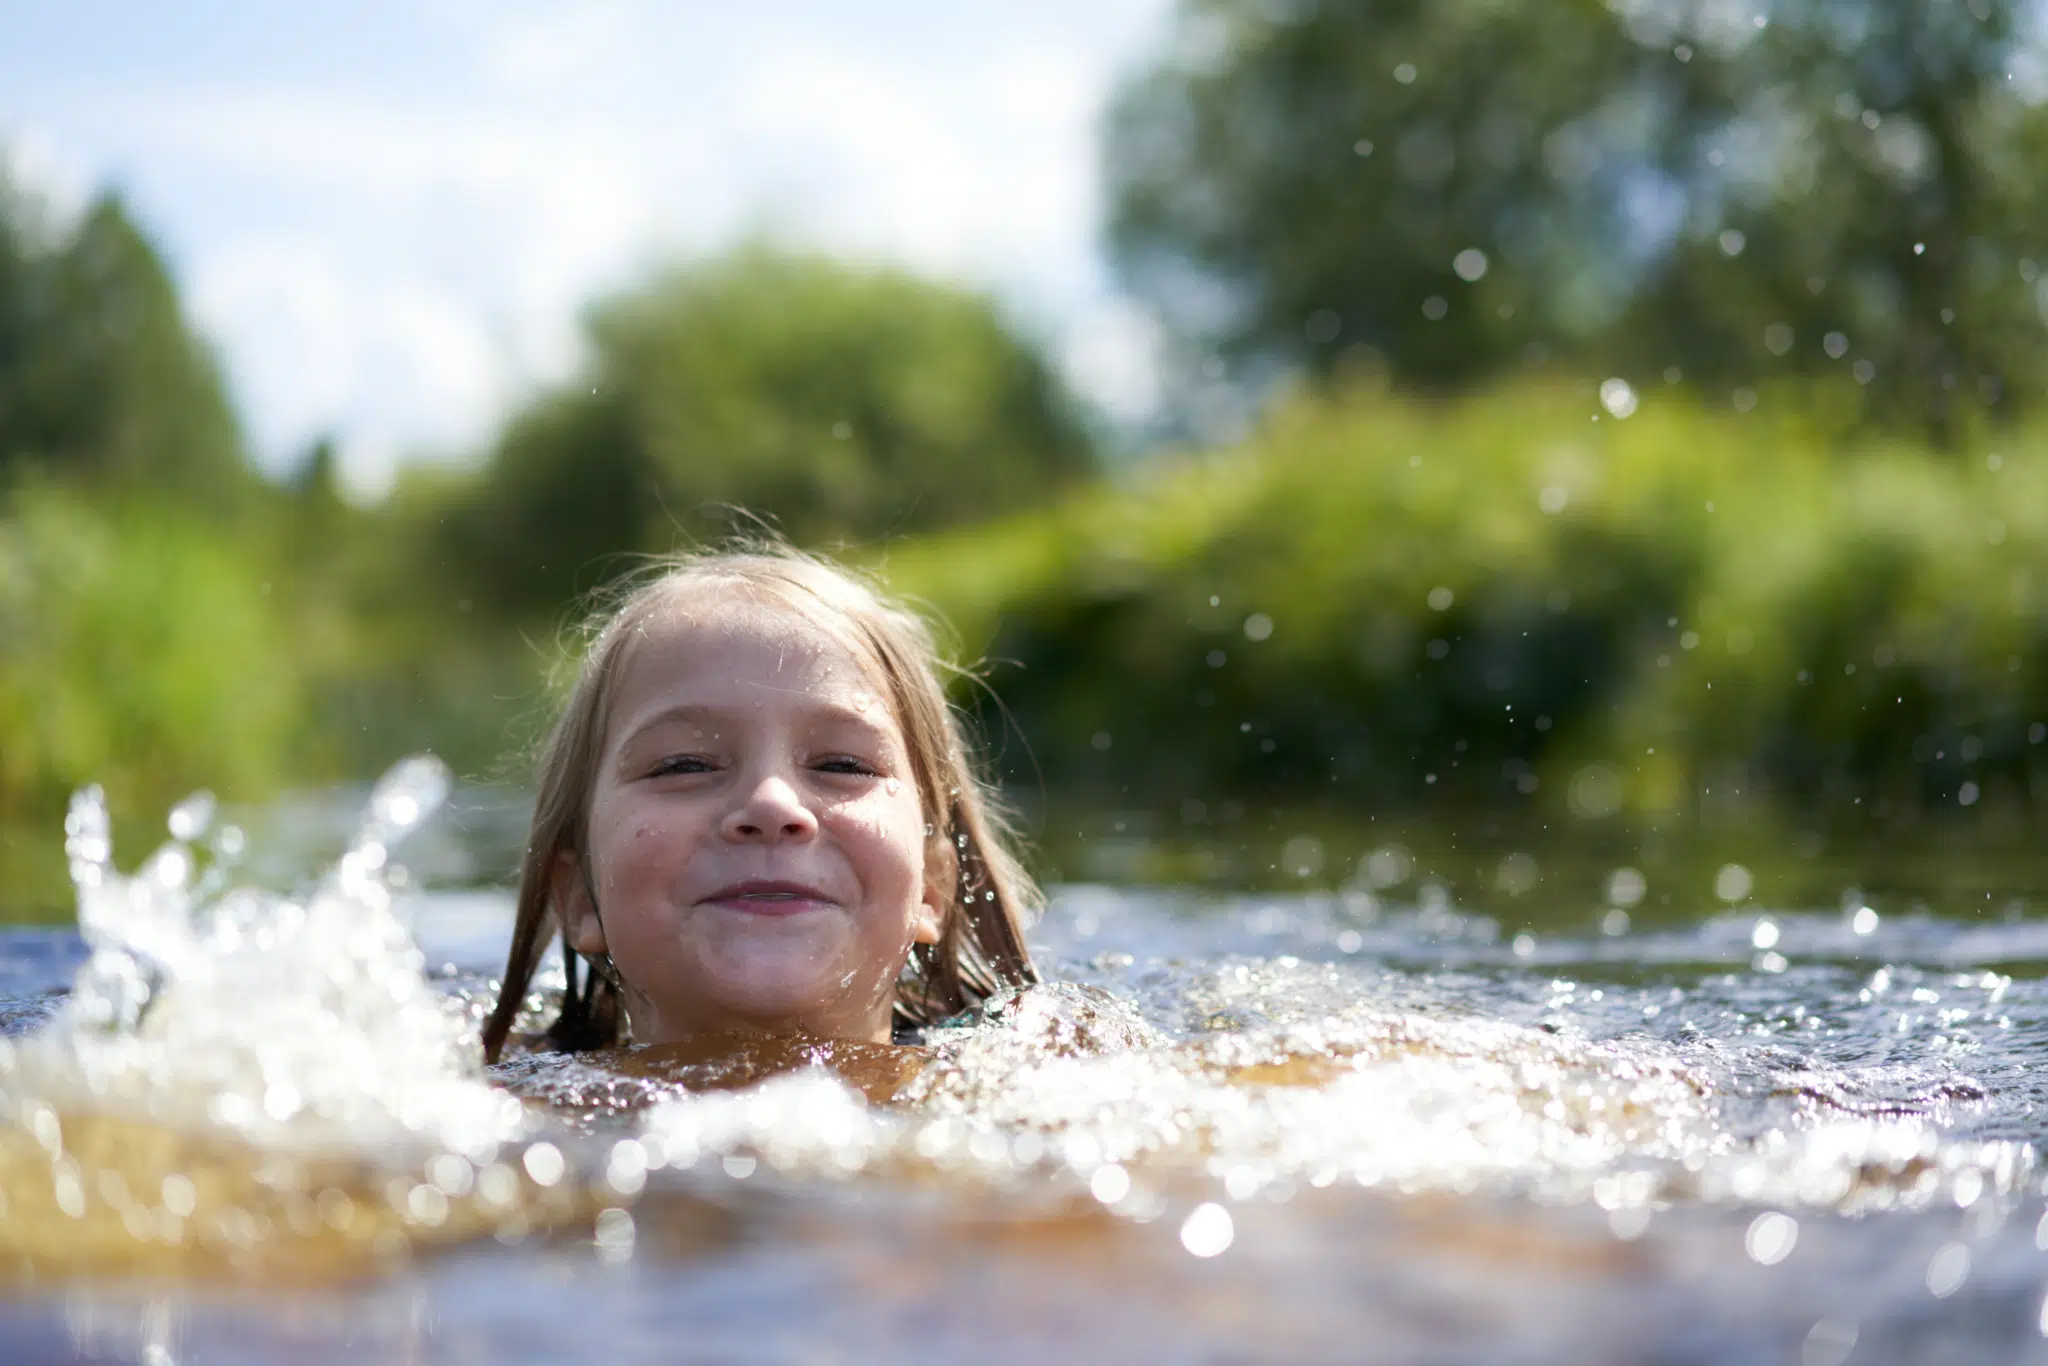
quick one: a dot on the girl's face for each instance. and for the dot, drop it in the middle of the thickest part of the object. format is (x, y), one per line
(756, 849)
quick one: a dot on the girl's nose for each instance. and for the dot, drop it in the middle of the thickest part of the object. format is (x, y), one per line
(770, 810)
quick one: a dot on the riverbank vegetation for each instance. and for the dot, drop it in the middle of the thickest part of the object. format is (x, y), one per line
(1471, 496)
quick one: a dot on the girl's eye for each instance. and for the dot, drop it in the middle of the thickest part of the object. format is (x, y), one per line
(679, 763)
(846, 763)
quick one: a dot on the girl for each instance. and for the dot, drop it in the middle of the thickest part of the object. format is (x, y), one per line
(757, 815)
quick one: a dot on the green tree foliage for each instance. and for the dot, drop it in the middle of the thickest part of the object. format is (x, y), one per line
(1462, 186)
(101, 379)
(1496, 604)
(838, 401)
(139, 649)
(141, 644)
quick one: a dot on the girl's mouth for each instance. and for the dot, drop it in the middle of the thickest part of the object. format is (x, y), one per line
(769, 898)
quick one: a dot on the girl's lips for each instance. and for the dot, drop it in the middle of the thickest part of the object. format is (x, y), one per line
(769, 898)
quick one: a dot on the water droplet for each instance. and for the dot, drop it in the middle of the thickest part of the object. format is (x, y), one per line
(544, 1163)
(615, 1235)
(1387, 866)
(180, 1196)
(281, 1100)
(169, 868)
(1828, 1343)
(1732, 883)
(1771, 1237)
(452, 1174)
(1208, 1231)
(1948, 1269)
(426, 1205)
(192, 817)
(1618, 397)
(1302, 856)
(412, 790)
(1109, 1183)
(88, 841)
(69, 1193)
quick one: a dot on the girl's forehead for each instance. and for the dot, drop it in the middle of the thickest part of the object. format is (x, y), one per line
(717, 641)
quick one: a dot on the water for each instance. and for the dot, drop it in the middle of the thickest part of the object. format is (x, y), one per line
(1371, 1122)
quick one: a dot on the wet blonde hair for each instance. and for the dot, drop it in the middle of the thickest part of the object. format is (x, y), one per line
(970, 844)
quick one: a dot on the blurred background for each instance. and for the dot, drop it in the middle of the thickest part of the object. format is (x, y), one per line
(1362, 440)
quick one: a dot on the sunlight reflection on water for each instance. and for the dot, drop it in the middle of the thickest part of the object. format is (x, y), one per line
(1253, 1123)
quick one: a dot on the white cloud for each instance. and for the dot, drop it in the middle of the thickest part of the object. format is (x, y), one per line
(385, 365)
(566, 45)
(38, 162)
(1110, 355)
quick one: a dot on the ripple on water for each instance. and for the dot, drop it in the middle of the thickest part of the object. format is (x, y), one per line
(244, 1084)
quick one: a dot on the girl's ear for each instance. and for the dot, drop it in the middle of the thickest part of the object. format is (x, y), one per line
(928, 917)
(569, 890)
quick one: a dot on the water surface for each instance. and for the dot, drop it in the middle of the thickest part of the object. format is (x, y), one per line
(1369, 1121)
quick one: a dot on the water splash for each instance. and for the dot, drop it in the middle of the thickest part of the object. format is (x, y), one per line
(212, 1020)
(287, 1021)
(1261, 1079)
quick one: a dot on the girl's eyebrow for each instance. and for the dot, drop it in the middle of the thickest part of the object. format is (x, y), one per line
(686, 713)
(710, 717)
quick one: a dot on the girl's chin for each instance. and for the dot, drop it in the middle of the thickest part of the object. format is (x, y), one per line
(766, 990)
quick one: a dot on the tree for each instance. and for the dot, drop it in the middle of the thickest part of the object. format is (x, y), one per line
(837, 401)
(1462, 186)
(101, 378)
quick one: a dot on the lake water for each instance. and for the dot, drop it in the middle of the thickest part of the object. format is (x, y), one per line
(1377, 1120)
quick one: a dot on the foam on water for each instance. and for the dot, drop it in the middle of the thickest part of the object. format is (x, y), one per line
(1068, 1091)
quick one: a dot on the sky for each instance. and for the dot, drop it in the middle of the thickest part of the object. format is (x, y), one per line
(388, 216)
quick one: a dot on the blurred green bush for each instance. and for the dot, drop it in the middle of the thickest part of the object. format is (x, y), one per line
(838, 401)
(1517, 600)
(143, 651)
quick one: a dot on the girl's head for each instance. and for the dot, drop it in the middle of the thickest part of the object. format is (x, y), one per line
(757, 813)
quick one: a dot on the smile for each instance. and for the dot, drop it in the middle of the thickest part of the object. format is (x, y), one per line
(770, 898)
